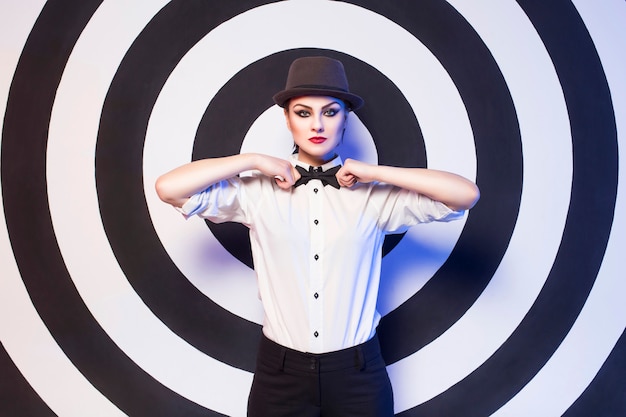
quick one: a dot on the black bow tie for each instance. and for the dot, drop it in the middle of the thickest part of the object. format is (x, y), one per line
(327, 177)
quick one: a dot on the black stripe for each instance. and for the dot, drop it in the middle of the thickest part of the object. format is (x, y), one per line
(594, 188)
(460, 281)
(180, 305)
(587, 256)
(399, 141)
(30, 227)
(606, 395)
(142, 267)
(17, 397)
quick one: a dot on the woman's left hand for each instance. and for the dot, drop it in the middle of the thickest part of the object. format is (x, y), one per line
(456, 192)
(354, 171)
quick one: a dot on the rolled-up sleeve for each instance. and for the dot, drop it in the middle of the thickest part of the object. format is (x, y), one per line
(221, 202)
(402, 209)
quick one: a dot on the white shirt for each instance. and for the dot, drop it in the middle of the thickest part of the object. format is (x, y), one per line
(317, 251)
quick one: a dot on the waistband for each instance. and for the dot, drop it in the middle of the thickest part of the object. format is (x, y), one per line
(289, 359)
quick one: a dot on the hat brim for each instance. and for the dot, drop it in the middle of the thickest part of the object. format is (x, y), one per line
(353, 101)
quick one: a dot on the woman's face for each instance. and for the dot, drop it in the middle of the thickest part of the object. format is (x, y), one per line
(317, 124)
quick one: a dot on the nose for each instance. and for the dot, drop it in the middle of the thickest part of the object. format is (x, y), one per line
(317, 124)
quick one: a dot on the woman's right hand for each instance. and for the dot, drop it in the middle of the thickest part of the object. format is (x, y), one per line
(280, 169)
(177, 185)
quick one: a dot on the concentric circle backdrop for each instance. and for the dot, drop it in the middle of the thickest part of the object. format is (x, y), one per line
(113, 304)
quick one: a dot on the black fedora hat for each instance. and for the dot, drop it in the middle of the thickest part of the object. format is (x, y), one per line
(317, 76)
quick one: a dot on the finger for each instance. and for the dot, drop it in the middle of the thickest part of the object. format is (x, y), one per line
(295, 175)
(287, 178)
(344, 176)
(347, 181)
(280, 181)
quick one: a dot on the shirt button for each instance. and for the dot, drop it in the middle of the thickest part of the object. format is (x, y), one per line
(316, 222)
(315, 190)
(316, 295)
(316, 334)
(316, 257)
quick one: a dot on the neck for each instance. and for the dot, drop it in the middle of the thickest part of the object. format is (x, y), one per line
(316, 161)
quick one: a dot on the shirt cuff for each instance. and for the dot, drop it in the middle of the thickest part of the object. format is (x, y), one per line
(447, 214)
(197, 203)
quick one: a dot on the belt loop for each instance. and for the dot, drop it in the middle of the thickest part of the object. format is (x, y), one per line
(359, 360)
(283, 354)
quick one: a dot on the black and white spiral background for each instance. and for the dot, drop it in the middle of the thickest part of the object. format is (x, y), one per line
(112, 304)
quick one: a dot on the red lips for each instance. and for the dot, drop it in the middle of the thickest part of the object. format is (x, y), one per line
(317, 139)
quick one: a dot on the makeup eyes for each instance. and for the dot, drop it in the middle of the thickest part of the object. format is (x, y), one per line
(330, 112)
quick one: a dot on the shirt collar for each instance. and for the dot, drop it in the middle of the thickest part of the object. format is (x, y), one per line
(330, 164)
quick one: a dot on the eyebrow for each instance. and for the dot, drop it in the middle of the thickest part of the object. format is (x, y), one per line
(323, 107)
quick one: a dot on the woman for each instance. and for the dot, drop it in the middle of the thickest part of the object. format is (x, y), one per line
(317, 225)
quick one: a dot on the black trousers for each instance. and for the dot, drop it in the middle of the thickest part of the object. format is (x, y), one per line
(349, 382)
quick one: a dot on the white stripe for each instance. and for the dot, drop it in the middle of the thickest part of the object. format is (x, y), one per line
(603, 318)
(196, 80)
(503, 288)
(540, 108)
(108, 295)
(198, 77)
(23, 334)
